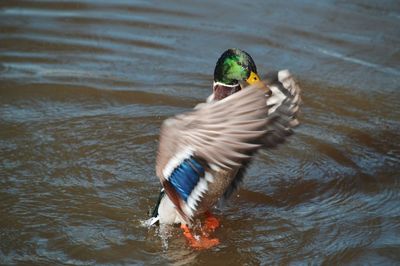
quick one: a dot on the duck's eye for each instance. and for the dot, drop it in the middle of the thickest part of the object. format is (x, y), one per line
(239, 63)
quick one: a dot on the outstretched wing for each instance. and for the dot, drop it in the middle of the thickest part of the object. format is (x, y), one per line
(283, 103)
(218, 135)
(283, 106)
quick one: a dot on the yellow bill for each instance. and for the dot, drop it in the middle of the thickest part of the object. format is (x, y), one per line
(254, 78)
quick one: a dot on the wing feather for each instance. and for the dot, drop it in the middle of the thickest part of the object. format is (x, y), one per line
(222, 134)
(283, 103)
(283, 106)
(218, 132)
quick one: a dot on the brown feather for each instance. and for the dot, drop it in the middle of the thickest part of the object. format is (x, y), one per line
(222, 133)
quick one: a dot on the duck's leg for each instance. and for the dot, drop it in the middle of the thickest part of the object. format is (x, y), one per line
(198, 242)
(211, 223)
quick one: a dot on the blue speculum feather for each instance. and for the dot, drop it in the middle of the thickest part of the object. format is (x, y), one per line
(186, 176)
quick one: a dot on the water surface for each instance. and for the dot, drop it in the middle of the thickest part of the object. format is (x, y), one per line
(85, 85)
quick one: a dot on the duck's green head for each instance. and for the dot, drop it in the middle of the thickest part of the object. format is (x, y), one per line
(235, 66)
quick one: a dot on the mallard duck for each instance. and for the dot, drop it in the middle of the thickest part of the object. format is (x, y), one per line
(203, 154)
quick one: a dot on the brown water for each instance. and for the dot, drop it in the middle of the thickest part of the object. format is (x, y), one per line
(85, 85)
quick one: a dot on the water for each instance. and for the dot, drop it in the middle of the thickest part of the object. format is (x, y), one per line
(85, 85)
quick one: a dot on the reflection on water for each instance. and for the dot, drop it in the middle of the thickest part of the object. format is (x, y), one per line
(85, 85)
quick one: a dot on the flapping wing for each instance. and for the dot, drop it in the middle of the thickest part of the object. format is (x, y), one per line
(221, 135)
(283, 101)
(283, 107)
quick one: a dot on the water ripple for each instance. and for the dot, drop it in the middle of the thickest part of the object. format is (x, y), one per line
(85, 86)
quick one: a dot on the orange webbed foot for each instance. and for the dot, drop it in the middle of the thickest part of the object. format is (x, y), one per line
(198, 242)
(211, 223)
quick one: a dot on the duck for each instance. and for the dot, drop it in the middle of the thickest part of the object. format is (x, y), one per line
(203, 154)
